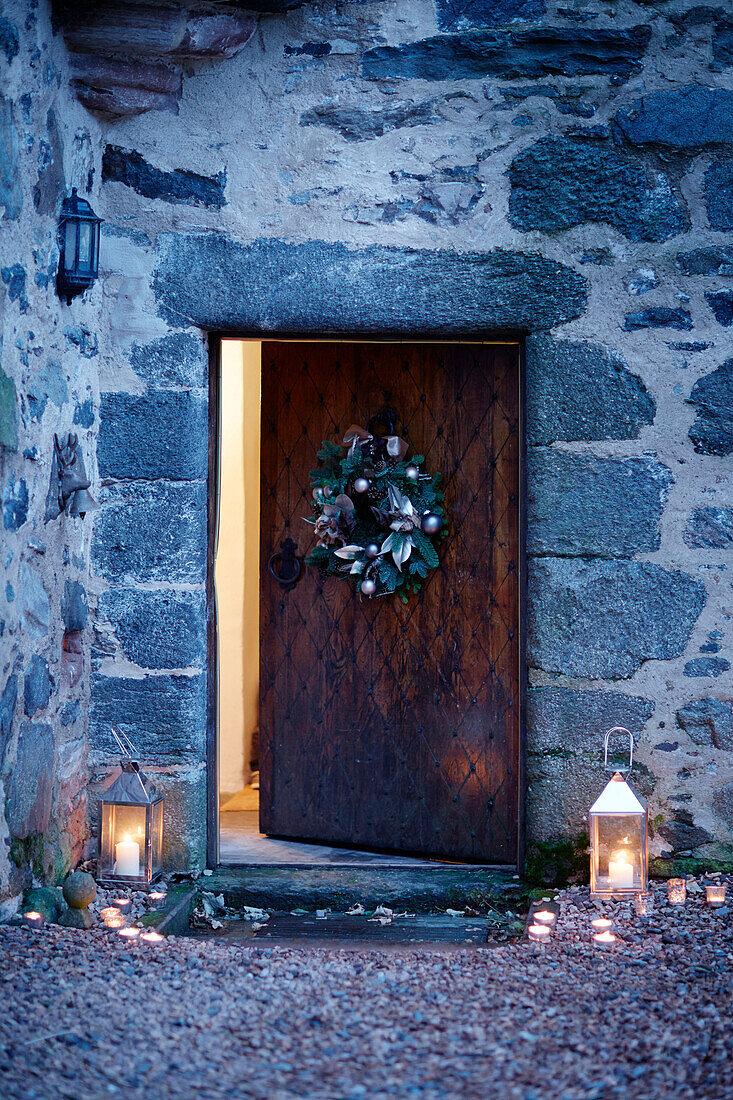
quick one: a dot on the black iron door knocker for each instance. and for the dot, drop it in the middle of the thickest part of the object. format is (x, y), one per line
(285, 565)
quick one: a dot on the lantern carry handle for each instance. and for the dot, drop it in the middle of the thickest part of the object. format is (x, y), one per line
(619, 729)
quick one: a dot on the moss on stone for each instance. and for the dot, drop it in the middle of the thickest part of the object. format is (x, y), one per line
(558, 862)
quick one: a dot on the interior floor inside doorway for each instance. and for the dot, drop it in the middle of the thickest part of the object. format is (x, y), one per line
(240, 841)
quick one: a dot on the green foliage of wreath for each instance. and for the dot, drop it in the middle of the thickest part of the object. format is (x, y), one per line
(389, 517)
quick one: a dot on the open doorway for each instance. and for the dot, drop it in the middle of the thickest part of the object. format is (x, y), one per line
(355, 729)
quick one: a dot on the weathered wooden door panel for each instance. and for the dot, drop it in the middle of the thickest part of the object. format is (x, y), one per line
(382, 724)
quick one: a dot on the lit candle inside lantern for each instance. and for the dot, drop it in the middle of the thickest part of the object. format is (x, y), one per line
(602, 924)
(127, 858)
(544, 916)
(715, 893)
(152, 936)
(129, 933)
(620, 871)
(604, 940)
(538, 933)
(676, 891)
(33, 919)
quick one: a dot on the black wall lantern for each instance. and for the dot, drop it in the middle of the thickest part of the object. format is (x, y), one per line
(79, 247)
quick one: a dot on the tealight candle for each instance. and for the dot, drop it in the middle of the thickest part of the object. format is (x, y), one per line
(110, 912)
(544, 916)
(123, 904)
(115, 922)
(152, 936)
(602, 924)
(643, 904)
(129, 933)
(715, 893)
(33, 919)
(604, 940)
(676, 891)
(538, 933)
(157, 895)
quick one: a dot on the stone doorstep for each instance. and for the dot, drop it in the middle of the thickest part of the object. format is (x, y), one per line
(356, 931)
(173, 919)
(412, 889)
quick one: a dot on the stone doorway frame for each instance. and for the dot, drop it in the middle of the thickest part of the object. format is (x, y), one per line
(215, 338)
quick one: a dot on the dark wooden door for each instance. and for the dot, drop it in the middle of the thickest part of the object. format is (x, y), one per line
(383, 724)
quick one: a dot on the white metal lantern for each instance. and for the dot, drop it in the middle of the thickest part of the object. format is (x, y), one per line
(618, 835)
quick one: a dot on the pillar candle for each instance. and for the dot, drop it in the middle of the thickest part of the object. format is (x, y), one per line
(127, 858)
(620, 872)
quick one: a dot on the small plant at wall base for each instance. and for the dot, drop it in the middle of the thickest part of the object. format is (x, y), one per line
(377, 515)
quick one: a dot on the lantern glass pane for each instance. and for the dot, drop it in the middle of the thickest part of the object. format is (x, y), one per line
(69, 245)
(122, 848)
(85, 246)
(157, 838)
(619, 857)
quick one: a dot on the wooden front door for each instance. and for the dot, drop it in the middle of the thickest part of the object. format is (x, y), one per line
(384, 724)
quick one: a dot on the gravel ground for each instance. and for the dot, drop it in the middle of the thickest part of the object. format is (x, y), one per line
(85, 1015)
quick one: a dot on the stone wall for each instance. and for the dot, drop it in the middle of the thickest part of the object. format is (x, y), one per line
(477, 167)
(48, 383)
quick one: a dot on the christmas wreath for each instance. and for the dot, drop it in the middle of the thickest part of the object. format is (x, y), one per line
(377, 515)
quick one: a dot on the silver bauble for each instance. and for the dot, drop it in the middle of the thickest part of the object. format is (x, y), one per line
(371, 550)
(412, 473)
(431, 523)
(361, 484)
(368, 587)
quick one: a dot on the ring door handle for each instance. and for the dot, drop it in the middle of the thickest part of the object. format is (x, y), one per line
(285, 565)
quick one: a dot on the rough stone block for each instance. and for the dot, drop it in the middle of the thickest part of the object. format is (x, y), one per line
(14, 279)
(162, 434)
(708, 722)
(31, 784)
(579, 504)
(602, 619)
(8, 413)
(712, 431)
(582, 392)
(522, 53)
(11, 193)
(9, 42)
(706, 666)
(658, 317)
(35, 606)
(37, 684)
(709, 527)
(8, 702)
(158, 629)
(180, 186)
(683, 836)
(15, 504)
(719, 195)
(180, 359)
(560, 182)
(84, 414)
(359, 124)
(693, 117)
(459, 15)
(563, 720)
(152, 532)
(715, 260)
(164, 716)
(321, 287)
(721, 303)
(51, 182)
(74, 606)
(49, 382)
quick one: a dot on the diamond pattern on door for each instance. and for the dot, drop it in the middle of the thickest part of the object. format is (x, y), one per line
(383, 724)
